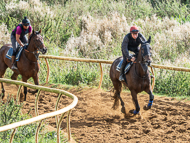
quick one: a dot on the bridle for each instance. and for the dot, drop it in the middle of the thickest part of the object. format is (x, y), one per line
(36, 53)
(142, 63)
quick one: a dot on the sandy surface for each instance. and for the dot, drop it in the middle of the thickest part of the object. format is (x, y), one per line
(94, 120)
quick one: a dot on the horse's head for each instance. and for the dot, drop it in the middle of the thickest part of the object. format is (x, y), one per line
(145, 51)
(38, 42)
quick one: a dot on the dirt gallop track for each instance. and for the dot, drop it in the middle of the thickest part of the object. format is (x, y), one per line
(93, 119)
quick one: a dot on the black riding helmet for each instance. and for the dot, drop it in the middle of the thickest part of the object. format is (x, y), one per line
(26, 21)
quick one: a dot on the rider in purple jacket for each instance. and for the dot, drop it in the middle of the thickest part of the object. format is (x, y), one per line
(18, 36)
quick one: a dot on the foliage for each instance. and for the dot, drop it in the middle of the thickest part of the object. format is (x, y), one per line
(10, 112)
(172, 83)
(95, 29)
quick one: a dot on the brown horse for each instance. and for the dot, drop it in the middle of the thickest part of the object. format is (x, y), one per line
(28, 64)
(137, 79)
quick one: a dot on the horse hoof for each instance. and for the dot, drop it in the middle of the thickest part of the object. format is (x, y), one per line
(147, 107)
(134, 112)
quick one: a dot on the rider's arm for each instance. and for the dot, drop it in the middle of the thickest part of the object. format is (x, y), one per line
(29, 35)
(125, 47)
(18, 40)
(30, 32)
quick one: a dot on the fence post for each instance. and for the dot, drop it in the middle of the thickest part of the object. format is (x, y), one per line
(18, 95)
(153, 80)
(101, 78)
(12, 135)
(47, 77)
(68, 125)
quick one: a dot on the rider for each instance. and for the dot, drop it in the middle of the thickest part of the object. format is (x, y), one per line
(18, 36)
(131, 42)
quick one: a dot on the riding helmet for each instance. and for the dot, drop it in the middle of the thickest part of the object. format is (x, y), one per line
(134, 29)
(26, 21)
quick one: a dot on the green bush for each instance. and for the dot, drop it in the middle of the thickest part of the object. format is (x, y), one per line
(10, 112)
(172, 83)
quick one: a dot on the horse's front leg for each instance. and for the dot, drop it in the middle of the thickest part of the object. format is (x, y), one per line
(36, 81)
(24, 79)
(134, 97)
(151, 98)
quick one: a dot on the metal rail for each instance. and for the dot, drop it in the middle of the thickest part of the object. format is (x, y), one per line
(43, 116)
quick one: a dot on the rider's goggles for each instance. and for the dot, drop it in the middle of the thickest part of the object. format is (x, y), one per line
(26, 24)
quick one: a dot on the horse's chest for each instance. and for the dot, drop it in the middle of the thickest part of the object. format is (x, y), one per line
(138, 84)
(30, 70)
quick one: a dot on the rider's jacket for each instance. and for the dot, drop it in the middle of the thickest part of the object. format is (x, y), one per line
(23, 33)
(130, 44)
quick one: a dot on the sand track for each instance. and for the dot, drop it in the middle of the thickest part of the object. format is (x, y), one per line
(93, 119)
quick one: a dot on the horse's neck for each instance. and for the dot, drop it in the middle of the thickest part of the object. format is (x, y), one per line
(138, 66)
(30, 55)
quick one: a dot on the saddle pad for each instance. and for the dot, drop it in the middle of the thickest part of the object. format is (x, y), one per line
(10, 53)
(127, 67)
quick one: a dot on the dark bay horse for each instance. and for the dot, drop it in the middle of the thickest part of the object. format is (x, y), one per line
(28, 64)
(137, 79)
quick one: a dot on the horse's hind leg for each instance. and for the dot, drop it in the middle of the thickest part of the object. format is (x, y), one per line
(24, 79)
(14, 76)
(117, 86)
(2, 71)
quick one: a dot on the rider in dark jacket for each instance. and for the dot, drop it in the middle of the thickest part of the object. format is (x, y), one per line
(18, 36)
(131, 42)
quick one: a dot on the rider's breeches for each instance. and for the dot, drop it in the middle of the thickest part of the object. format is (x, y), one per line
(15, 44)
(124, 59)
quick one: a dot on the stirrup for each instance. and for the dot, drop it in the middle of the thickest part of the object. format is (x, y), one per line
(121, 78)
(14, 67)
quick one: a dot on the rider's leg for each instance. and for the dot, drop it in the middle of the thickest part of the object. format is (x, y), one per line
(121, 77)
(14, 45)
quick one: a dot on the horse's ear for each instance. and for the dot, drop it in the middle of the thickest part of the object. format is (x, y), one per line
(33, 32)
(142, 42)
(40, 31)
(149, 39)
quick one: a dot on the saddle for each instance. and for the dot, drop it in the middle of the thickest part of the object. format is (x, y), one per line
(18, 53)
(127, 67)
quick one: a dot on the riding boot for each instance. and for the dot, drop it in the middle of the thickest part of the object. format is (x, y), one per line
(121, 77)
(14, 63)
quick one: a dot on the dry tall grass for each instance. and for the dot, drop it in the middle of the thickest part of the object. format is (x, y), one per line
(101, 36)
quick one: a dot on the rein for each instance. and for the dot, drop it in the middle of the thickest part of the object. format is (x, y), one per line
(35, 53)
(141, 62)
(145, 76)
